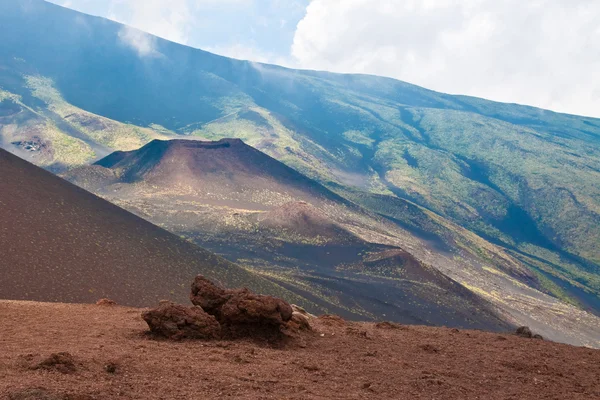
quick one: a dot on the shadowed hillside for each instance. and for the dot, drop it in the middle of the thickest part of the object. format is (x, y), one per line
(61, 243)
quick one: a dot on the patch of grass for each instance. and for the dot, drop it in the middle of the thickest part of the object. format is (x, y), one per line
(104, 131)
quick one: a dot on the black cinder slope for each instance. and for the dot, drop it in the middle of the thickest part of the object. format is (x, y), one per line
(61, 243)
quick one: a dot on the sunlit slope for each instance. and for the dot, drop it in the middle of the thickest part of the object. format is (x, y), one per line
(38, 124)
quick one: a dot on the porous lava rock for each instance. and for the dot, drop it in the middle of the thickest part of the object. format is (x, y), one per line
(226, 313)
(175, 321)
(298, 322)
(210, 296)
(249, 308)
(524, 331)
(299, 310)
(240, 311)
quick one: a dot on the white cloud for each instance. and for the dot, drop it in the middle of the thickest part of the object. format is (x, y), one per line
(539, 52)
(142, 42)
(167, 19)
(173, 20)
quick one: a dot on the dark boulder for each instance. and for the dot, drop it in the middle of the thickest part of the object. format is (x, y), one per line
(209, 295)
(250, 308)
(525, 332)
(178, 322)
(226, 313)
(240, 311)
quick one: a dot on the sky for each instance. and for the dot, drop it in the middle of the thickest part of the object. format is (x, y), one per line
(544, 53)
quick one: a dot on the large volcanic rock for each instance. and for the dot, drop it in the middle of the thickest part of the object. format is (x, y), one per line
(248, 308)
(220, 312)
(240, 307)
(175, 321)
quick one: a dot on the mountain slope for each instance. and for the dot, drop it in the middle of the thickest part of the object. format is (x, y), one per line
(61, 243)
(518, 176)
(74, 87)
(248, 207)
(412, 266)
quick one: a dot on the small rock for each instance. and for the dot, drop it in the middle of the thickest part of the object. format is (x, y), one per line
(524, 331)
(300, 310)
(111, 367)
(429, 348)
(106, 302)
(61, 362)
(298, 322)
(388, 325)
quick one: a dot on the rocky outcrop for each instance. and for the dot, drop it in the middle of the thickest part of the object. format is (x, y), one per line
(177, 322)
(221, 312)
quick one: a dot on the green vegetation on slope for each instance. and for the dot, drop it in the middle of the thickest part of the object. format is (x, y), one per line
(518, 176)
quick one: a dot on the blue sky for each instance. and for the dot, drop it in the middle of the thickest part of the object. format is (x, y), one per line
(259, 29)
(543, 53)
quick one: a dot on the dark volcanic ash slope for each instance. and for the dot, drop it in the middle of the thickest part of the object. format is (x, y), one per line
(61, 243)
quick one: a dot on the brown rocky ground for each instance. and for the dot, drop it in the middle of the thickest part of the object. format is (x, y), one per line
(111, 357)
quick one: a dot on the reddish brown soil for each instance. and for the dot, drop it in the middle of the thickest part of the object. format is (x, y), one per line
(114, 359)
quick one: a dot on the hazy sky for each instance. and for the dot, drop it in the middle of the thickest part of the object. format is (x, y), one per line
(539, 52)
